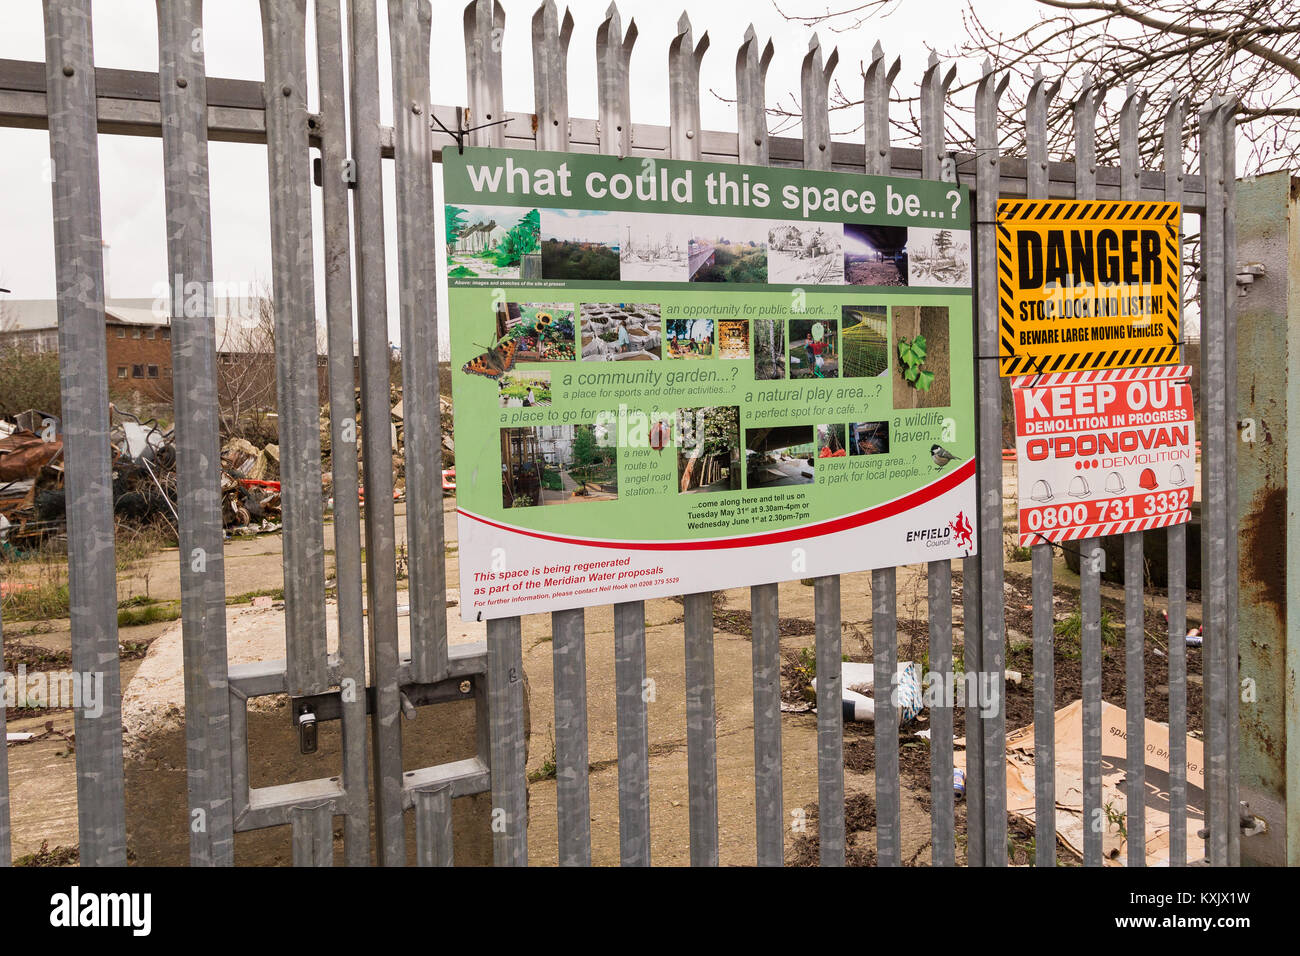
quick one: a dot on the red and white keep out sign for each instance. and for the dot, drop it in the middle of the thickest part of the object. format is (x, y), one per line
(1103, 452)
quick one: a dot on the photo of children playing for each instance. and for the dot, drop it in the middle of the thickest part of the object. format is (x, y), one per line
(620, 331)
(524, 389)
(708, 449)
(557, 464)
(689, 338)
(779, 456)
(814, 352)
(542, 331)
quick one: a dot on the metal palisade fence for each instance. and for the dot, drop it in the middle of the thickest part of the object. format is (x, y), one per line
(345, 132)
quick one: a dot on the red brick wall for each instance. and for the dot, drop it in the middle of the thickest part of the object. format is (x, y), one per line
(135, 355)
(137, 362)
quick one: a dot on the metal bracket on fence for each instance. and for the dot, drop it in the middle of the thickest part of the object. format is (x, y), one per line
(329, 706)
(307, 730)
(1251, 825)
(1247, 274)
(269, 806)
(948, 171)
(462, 130)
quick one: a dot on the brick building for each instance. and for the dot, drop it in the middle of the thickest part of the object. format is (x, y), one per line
(137, 341)
(139, 349)
(138, 344)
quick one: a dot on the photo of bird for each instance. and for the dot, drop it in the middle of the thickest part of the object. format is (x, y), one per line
(941, 456)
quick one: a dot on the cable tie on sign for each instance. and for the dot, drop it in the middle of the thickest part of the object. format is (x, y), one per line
(973, 155)
(1037, 362)
(1051, 544)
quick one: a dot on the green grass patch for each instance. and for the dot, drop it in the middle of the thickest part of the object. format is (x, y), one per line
(150, 613)
(275, 594)
(548, 770)
(1071, 628)
(41, 600)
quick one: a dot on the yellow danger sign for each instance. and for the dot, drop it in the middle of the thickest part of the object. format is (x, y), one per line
(1086, 285)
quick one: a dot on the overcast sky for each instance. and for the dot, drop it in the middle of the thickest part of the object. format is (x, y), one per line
(125, 35)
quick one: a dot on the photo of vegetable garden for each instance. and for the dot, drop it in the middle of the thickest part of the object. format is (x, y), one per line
(542, 331)
(524, 389)
(620, 331)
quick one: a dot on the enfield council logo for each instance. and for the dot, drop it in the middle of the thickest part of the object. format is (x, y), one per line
(107, 910)
(962, 532)
(958, 530)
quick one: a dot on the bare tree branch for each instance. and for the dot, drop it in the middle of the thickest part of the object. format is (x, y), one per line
(1248, 50)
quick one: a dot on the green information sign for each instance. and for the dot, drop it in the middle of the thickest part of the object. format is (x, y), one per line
(672, 377)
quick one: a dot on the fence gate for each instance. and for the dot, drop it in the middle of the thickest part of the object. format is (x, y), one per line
(343, 133)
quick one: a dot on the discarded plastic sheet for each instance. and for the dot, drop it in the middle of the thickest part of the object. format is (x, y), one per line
(858, 681)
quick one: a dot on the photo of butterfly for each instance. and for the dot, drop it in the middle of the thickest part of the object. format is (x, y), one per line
(495, 362)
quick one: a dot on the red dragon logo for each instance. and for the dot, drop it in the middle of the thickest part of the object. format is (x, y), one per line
(961, 530)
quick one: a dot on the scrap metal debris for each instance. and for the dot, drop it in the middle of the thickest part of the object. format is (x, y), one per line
(32, 506)
(32, 500)
(31, 465)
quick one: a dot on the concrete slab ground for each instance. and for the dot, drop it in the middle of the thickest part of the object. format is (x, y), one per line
(669, 811)
(43, 772)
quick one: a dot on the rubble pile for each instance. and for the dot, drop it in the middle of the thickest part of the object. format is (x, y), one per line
(144, 473)
(31, 466)
(250, 486)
